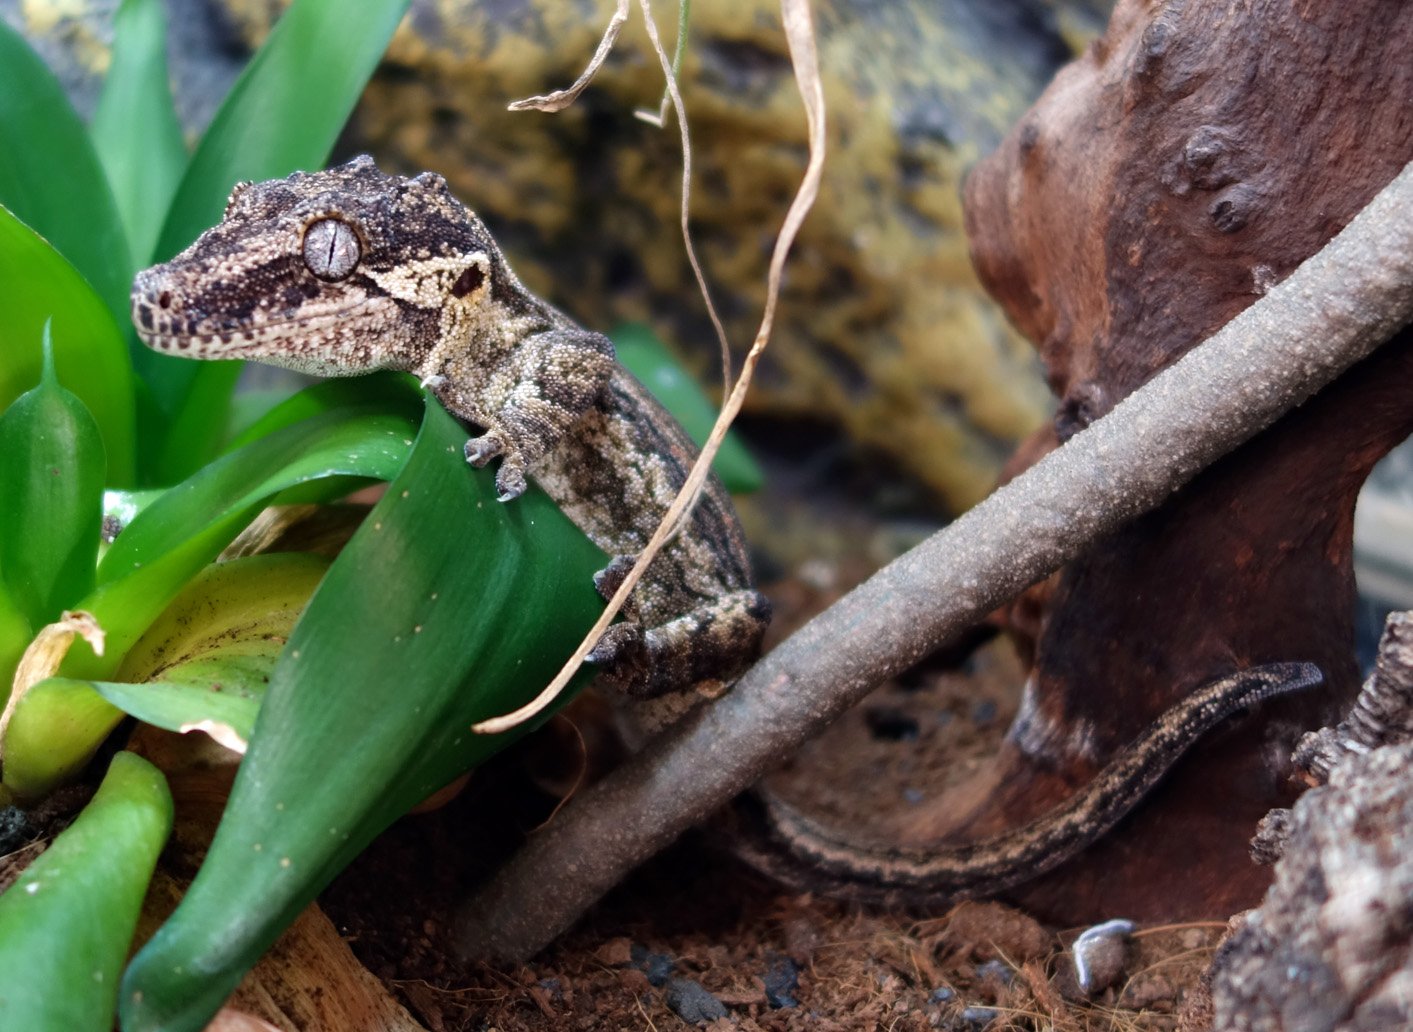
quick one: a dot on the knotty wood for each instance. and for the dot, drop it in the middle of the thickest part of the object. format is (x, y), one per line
(1195, 156)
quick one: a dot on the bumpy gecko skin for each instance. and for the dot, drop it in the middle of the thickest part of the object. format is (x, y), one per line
(342, 272)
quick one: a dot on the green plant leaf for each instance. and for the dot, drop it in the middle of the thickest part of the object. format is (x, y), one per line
(135, 129)
(51, 477)
(123, 506)
(66, 924)
(56, 728)
(36, 285)
(214, 647)
(51, 178)
(644, 355)
(221, 699)
(15, 635)
(445, 608)
(283, 114)
(398, 389)
(186, 528)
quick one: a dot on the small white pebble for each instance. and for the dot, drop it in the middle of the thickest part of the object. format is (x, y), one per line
(1100, 954)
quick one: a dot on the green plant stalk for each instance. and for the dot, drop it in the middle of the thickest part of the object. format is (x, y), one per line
(52, 735)
(52, 469)
(67, 923)
(446, 607)
(38, 286)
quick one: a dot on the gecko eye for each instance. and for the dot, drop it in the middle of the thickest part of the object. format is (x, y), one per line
(331, 249)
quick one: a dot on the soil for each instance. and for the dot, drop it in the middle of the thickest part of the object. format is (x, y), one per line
(694, 938)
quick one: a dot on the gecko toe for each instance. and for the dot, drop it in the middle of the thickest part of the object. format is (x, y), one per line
(622, 657)
(608, 580)
(481, 450)
(510, 483)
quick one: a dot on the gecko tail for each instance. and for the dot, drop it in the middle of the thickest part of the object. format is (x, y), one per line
(792, 848)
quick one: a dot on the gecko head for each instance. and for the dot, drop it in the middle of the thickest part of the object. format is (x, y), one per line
(334, 272)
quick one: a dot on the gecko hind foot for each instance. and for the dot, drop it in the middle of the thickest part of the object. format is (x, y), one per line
(713, 643)
(608, 580)
(623, 658)
(510, 482)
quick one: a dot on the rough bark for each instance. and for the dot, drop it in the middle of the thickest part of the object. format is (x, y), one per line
(1382, 715)
(1331, 946)
(1191, 159)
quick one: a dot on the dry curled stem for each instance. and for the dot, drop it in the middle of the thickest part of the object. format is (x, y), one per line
(561, 99)
(799, 34)
(1332, 311)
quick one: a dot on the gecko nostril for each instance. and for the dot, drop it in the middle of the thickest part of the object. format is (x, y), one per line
(164, 300)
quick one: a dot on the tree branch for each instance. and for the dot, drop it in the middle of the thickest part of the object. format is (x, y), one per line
(1333, 310)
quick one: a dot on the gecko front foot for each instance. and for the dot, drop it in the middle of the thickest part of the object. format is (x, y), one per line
(510, 478)
(481, 450)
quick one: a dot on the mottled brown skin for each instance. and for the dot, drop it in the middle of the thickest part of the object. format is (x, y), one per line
(346, 271)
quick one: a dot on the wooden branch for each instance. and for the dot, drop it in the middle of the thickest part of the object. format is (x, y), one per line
(1333, 310)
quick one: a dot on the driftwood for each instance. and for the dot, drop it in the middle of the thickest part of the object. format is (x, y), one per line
(1331, 946)
(1195, 156)
(1332, 312)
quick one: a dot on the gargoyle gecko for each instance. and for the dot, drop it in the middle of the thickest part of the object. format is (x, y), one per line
(346, 271)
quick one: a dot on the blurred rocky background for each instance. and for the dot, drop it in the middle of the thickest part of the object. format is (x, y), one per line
(887, 354)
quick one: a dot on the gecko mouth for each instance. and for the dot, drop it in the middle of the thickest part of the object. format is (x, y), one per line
(166, 322)
(233, 337)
